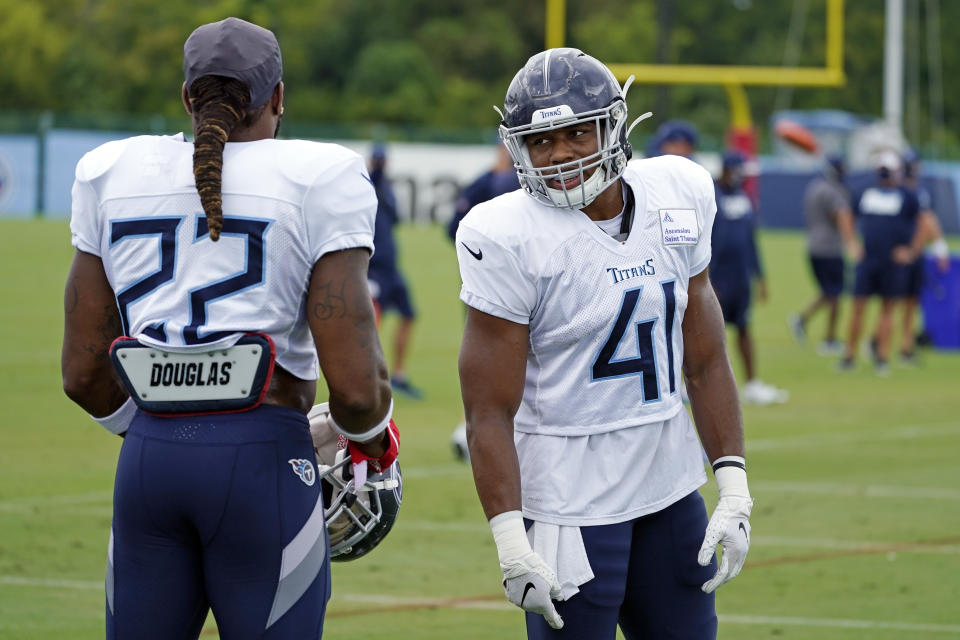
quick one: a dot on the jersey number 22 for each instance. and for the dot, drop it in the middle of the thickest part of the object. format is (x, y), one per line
(166, 230)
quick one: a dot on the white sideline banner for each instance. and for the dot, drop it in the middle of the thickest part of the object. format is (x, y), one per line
(427, 178)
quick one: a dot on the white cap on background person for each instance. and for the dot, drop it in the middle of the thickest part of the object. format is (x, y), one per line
(887, 159)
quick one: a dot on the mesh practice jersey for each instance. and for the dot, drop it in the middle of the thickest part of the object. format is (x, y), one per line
(606, 346)
(286, 203)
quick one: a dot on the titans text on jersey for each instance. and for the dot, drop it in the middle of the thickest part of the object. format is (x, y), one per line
(645, 269)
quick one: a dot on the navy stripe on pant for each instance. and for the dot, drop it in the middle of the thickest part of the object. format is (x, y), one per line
(211, 513)
(646, 580)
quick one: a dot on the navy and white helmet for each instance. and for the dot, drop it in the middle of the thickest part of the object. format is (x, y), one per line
(357, 519)
(558, 88)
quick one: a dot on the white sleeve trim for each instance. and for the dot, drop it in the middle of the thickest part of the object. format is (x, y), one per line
(80, 245)
(87, 220)
(354, 240)
(481, 304)
(700, 267)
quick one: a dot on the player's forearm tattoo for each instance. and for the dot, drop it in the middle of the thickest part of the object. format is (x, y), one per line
(110, 328)
(331, 303)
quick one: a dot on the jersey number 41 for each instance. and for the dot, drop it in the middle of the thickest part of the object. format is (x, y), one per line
(645, 363)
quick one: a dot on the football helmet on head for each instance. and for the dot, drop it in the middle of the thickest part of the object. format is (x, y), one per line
(357, 519)
(558, 88)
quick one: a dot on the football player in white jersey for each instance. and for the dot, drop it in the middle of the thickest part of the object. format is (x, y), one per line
(234, 265)
(588, 297)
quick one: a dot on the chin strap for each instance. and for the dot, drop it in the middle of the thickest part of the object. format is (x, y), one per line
(628, 210)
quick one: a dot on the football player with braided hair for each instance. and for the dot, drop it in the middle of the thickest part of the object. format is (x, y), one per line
(588, 298)
(212, 283)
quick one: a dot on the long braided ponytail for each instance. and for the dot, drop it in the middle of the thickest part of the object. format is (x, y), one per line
(220, 105)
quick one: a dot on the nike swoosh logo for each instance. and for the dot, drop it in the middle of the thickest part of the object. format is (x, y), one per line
(476, 254)
(530, 585)
(745, 534)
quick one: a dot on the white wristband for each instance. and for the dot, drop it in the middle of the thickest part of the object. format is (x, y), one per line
(510, 536)
(370, 433)
(732, 481)
(939, 248)
(119, 421)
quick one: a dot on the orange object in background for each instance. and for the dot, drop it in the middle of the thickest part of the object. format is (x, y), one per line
(797, 135)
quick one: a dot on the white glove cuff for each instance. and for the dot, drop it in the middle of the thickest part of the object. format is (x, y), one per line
(119, 421)
(370, 433)
(510, 536)
(732, 481)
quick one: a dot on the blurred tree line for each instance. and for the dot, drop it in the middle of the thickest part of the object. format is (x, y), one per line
(443, 63)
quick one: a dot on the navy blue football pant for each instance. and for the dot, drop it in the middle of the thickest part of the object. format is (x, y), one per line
(392, 292)
(646, 579)
(914, 279)
(218, 512)
(829, 272)
(880, 277)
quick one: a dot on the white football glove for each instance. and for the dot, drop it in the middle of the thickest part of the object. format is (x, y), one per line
(528, 581)
(729, 527)
(531, 585)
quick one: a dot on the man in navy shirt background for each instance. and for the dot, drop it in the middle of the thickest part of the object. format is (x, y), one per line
(673, 137)
(886, 214)
(933, 235)
(734, 266)
(500, 179)
(387, 284)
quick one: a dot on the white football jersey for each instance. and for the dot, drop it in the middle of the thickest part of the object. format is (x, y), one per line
(606, 346)
(286, 203)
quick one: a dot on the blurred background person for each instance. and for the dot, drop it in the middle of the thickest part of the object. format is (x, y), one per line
(734, 266)
(886, 214)
(500, 179)
(673, 137)
(931, 233)
(826, 206)
(388, 287)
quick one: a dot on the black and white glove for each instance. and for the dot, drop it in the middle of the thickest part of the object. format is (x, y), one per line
(527, 580)
(729, 525)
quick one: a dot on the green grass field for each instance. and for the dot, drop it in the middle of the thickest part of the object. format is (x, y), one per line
(856, 481)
